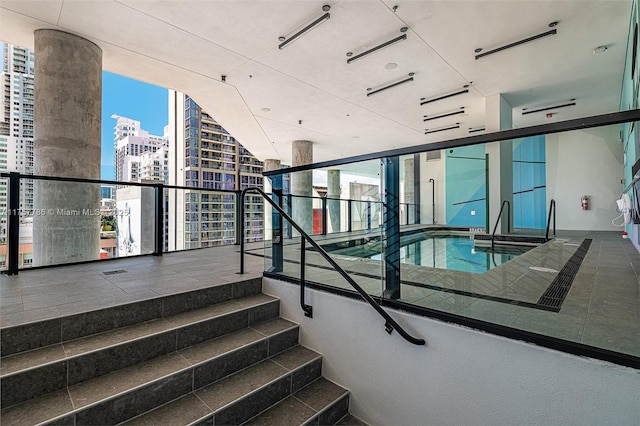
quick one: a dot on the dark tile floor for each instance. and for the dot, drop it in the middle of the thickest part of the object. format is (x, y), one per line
(40, 294)
(601, 309)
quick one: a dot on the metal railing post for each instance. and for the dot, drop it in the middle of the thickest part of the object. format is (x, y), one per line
(239, 204)
(324, 215)
(240, 227)
(159, 213)
(13, 219)
(308, 310)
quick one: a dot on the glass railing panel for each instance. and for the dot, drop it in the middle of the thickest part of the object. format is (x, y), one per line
(283, 257)
(64, 222)
(335, 216)
(199, 218)
(446, 265)
(582, 285)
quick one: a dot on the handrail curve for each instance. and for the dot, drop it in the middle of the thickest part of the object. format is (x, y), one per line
(552, 208)
(390, 323)
(495, 228)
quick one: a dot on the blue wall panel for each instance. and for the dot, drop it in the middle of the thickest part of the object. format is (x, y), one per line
(529, 183)
(466, 190)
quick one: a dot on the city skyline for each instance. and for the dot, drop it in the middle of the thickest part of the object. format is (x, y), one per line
(131, 98)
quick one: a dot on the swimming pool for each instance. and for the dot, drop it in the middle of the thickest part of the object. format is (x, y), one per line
(452, 252)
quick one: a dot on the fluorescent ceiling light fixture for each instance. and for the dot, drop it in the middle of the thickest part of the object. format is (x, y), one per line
(443, 114)
(397, 83)
(517, 43)
(526, 111)
(442, 129)
(476, 129)
(465, 89)
(378, 47)
(285, 41)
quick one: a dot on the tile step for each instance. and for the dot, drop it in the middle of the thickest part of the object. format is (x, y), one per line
(33, 373)
(241, 396)
(322, 402)
(24, 337)
(125, 393)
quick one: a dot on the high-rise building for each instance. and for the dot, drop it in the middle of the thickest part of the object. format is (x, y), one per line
(16, 142)
(138, 154)
(139, 157)
(16, 122)
(204, 155)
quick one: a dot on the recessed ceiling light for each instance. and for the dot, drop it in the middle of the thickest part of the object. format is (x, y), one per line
(281, 38)
(553, 24)
(391, 66)
(404, 29)
(478, 50)
(326, 8)
(266, 109)
(600, 49)
(349, 54)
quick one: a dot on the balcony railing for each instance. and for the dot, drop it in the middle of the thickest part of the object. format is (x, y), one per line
(421, 256)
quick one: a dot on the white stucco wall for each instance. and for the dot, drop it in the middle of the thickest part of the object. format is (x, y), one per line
(433, 169)
(585, 162)
(463, 376)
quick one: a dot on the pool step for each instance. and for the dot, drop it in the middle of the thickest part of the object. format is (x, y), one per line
(172, 360)
(483, 240)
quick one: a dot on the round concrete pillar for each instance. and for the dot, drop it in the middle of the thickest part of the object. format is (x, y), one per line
(333, 191)
(271, 164)
(301, 185)
(67, 109)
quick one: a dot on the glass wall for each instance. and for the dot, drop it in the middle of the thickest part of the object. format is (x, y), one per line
(581, 285)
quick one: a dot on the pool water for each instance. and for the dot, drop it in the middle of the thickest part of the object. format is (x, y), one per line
(451, 252)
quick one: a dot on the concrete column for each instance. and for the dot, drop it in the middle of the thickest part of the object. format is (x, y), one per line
(333, 191)
(301, 185)
(499, 116)
(68, 105)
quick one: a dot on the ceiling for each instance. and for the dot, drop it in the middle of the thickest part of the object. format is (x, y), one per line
(307, 90)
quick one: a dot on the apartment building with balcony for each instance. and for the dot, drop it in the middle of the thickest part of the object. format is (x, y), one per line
(205, 155)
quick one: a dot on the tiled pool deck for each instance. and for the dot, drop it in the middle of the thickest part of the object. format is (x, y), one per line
(601, 309)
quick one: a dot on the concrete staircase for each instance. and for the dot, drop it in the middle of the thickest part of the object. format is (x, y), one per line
(215, 356)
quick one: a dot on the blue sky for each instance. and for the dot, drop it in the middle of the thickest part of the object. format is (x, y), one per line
(134, 99)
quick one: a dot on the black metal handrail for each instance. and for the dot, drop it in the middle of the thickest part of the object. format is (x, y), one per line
(552, 208)
(495, 228)
(390, 323)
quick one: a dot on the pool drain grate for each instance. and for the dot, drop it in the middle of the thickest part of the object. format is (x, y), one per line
(560, 286)
(117, 271)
